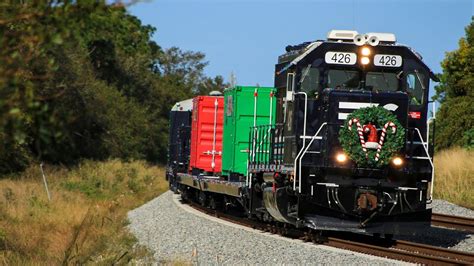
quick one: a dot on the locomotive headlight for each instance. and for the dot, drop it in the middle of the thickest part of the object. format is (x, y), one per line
(397, 161)
(364, 60)
(365, 51)
(341, 157)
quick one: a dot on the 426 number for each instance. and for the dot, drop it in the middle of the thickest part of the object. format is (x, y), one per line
(388, 60)
(341, 58)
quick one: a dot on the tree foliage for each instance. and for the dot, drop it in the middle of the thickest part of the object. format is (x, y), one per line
(84, 79)
(456, 93)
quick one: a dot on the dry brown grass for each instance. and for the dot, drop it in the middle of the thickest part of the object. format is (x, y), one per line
(85, 220)
(454, 179)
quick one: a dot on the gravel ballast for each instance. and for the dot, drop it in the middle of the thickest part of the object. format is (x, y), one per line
(444, 237)
(175, 233)
(445, 207)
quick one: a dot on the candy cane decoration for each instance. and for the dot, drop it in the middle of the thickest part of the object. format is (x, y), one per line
(359, 131)
(382, 137)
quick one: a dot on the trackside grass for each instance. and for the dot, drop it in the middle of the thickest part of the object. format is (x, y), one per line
(454, 179)
(84, 223)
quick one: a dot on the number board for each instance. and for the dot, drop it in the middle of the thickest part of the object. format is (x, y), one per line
(387, 60)
(340, 58)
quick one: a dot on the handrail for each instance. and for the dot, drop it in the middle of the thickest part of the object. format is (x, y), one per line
(262, 141)
(304, 128)
(300, 155)
(305, 114)
(431, 162)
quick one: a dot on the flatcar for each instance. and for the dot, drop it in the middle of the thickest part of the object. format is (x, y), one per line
(342, 141)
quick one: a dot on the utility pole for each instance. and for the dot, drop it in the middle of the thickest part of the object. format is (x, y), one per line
(232, 79)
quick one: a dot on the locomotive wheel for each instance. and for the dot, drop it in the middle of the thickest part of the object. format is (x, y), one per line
(227, 204)
(202, 199)
(212, 203)
(184, 194)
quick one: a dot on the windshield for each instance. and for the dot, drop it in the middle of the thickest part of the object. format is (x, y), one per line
(380, 81)
(351, 80)
(343, 79)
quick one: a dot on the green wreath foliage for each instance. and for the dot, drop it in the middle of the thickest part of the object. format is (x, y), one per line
(378, 116)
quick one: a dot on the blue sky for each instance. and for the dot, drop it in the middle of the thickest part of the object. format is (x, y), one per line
(246, 37)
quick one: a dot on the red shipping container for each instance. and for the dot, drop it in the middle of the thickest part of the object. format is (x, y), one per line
(206, 133)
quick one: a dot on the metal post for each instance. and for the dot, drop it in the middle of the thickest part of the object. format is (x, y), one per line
(213, 163)
(271, 105)
(255, 94)
(45, 182)
(254, 121)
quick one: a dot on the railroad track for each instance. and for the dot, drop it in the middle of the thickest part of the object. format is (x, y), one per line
(406, 251)
(393, 249)
(455, 222)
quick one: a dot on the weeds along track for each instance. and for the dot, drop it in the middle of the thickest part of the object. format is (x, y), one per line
(451, 221)
(393, 249)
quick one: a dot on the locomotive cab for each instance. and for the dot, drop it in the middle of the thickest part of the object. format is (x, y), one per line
(355, 180)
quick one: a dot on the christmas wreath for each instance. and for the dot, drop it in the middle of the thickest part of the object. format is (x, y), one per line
(371, 136)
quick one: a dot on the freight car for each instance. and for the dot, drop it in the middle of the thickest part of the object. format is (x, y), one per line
(341, 142)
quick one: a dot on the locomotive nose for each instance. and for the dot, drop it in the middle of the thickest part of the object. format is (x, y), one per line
(340, 106)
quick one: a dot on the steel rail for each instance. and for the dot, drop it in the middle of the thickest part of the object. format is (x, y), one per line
(412, 254)
(455, 222)
(435, 251)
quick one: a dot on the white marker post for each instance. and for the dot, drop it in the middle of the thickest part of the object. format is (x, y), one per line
(45, 182)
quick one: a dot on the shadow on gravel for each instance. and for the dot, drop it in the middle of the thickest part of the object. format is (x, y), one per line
(437, 236)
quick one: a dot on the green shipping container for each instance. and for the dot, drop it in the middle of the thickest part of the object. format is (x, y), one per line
(239, 115)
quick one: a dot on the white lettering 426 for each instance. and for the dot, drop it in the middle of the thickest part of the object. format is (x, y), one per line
(387, 60)
(340, 58)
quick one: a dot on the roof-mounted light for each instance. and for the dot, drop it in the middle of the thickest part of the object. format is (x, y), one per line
(347, 35)
(374, 38)
(383, 36)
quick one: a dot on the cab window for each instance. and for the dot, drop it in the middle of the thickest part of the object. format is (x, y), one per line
(380, 81)
(310, 80)
(343, 79)
(415, 87)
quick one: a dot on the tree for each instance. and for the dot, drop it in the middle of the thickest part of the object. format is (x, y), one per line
(84, 79)
(24, 68)
(455, 119)
(212, 84)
